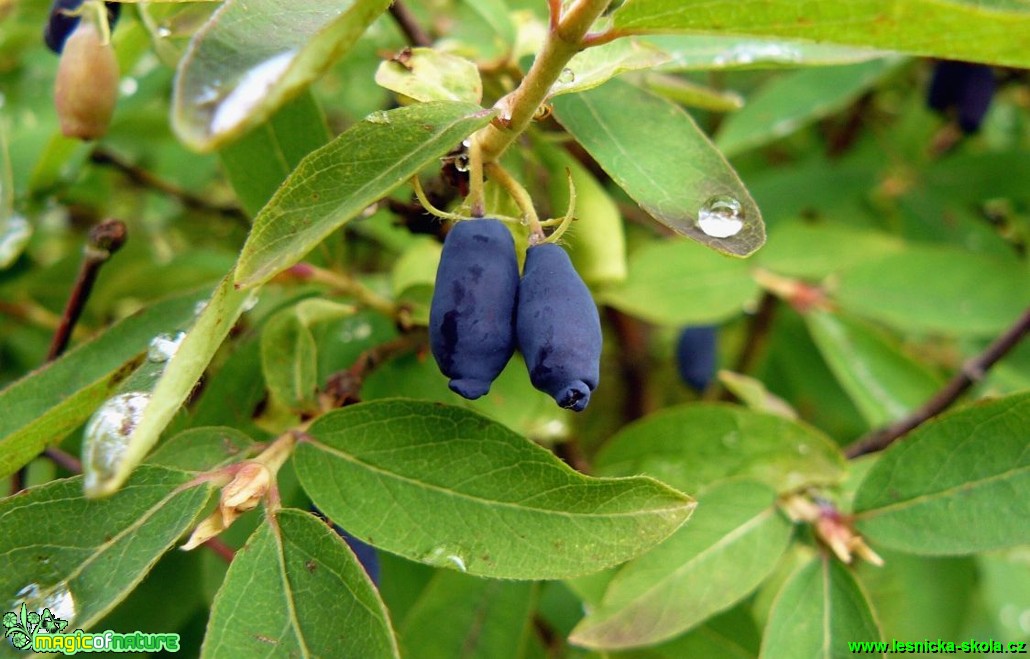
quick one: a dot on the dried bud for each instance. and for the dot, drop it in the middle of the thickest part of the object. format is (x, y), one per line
(209, 528)
(244, 491)
(87, 83)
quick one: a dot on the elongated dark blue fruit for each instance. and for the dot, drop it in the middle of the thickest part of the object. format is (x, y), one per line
(964, 86)
(696, 355)
(60, 25)
(558, 329)
(471, 319)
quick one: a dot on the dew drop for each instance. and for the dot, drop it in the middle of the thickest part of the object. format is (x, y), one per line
(461, 163)
(721, 217)
(14, 235)
(378, 117)
(250, 91)
(163, 32)
(199, 307)
(355, 330)
(447, 556)
(164, 346)
(250, 302)
(567, 76)
(128, 86)
(107, 436)
(58, 598)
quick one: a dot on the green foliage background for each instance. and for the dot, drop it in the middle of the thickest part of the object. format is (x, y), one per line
(261, 156)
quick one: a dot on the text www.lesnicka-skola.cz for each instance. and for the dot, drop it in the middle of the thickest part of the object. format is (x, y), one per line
(927, 646)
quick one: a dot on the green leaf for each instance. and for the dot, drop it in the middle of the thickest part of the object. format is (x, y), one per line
(937, 289)
(448, 487)
(44, 406)
(884, 383)
(597, 240)
(791, 101)
(753, 393)
(595, 66)
(819, 611)
(337, 182)
(695, 446)
(246, 62)
(81, 570)
(417, 266)
(462, 616)
(734, 541)
(426, 75)
(675, 282)
(708, 52)
(691, 94)
(813, 251)
(958, 484)
(289, 354)
(666, 164)
(179, 378)
(992, 31)
(260, 161)
(202, 449)
(296, 589)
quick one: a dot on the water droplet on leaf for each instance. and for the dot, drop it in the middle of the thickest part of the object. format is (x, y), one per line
(447, 556)
(378, 117)
(721, 217)
(567, 76)
(461, 163)
(107, 436)
(163, 32)
(250, 91)
(58, 598)
(164, 346)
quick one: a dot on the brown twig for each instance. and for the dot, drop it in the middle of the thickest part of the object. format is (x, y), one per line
(66, 461)
(971, 372)
(757, 332)
(105, 239)
(413, 32)
(144, 179)
(344, 387)
(631, 337)
(224, 551)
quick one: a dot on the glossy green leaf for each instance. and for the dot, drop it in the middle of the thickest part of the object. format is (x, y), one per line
(695, 446)
(47, 404)
(337, 182)
(246, 62)
(289, 354)
(445, 486)
(416, 266)
(884, 383)
(690, 52)
(426, 75)
(794, 100)
(595, 66)
(50, 558)
(814, 251)
(819, 611)
(958, 484)
(462, 616)
(179, 378)
(731, 545)
(296, 589)
(666, 164)
(754, 394)
(691, 94)
(260, 161)
(677, 283)
(729, 635)
(202, 449)
(937, 289)
(992, 31)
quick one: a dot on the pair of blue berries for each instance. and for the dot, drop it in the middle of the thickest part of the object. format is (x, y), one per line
(481, 311)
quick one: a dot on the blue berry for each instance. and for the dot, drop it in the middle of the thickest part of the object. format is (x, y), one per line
(558, 328)
(966, 87)
(60, 25)
(696, 356)
(471, 318)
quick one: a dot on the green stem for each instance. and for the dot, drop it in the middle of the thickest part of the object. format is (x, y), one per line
(564, 40)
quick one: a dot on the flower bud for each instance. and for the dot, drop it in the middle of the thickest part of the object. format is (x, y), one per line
(87, 84)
